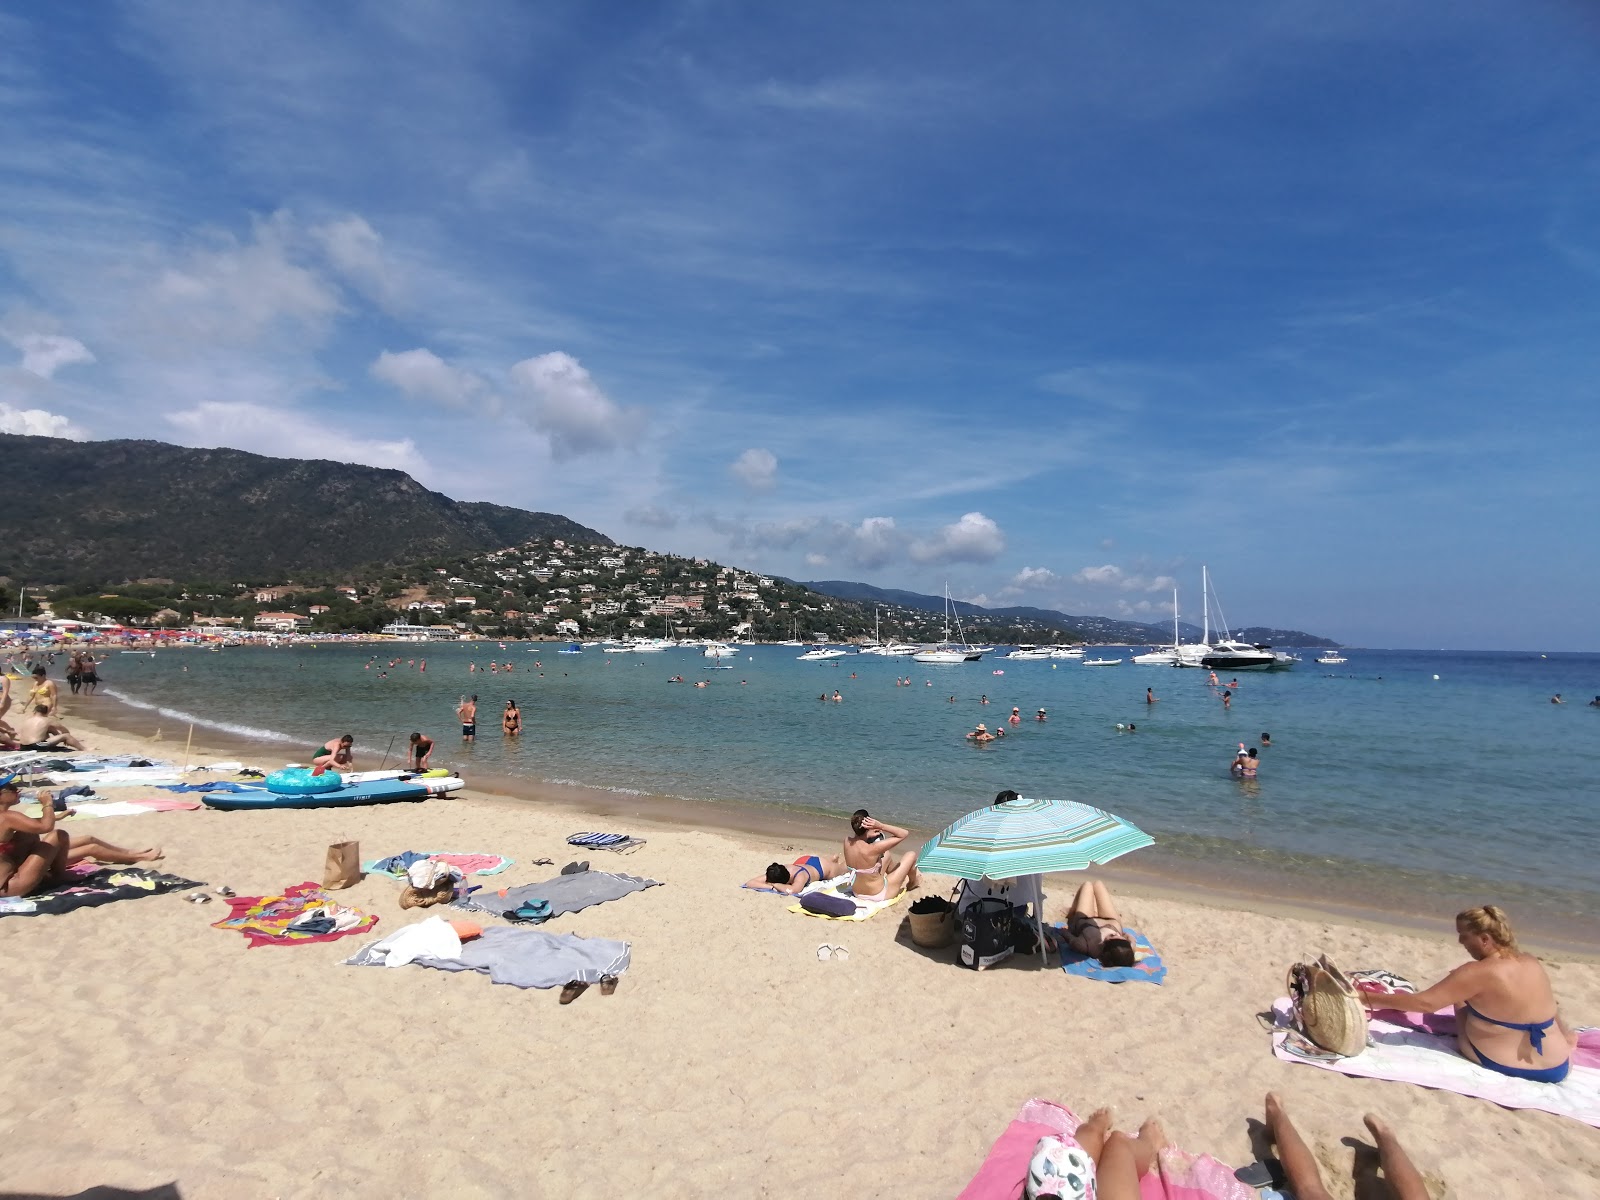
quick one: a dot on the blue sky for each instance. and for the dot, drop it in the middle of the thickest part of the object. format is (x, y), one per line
(1051, 301)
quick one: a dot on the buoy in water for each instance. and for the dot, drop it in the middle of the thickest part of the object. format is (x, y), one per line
(1436, 678)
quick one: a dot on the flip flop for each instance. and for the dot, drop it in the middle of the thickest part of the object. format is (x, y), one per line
(608, 985)
(572, 991)
(575, 868)
(824, 952)
(840, 954)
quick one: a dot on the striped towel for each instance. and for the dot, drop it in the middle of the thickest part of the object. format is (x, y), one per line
(619, 842)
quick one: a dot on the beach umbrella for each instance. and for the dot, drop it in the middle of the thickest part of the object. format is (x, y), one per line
(1029, 837)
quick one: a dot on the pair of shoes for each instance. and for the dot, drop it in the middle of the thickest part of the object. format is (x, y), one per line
(608, 985)
(198, 898)
(575, 868)
(226, 891)
(573, 990)
(825, 952)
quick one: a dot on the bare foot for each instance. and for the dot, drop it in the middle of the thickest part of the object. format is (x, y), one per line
(1275, 1114)
(1092, 1133)
(153, 854)
(1153, 1133)
(1378, 1128)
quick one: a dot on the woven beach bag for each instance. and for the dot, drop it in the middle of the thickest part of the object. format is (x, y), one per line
(1327, 1007)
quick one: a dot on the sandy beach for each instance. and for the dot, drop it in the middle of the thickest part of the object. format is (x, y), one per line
(147, 1048)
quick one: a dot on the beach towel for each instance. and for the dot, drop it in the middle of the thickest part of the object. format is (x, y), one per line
(1149, 968)
(88, 810)
(301, 914)
(1423, 1052)
(101, 885)
(564, 893)
(619, 843)
(1177, 1175)
(524, 958)
(216, 785)
(396, 865)
(865, 909)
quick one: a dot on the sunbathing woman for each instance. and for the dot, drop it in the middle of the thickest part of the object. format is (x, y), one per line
(1120, 1160)
(1095, 929)
(794, 879)
(33, 852)
(874, 875)
(1506, 1017)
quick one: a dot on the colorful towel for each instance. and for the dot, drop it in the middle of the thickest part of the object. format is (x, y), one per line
(468, 864)
(1178, 1175)
(1416, 1051)
(865, 909)
(266, 920)
(1148, 969)
(100, 885)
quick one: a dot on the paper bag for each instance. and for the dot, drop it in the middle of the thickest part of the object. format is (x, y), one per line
(343, 867)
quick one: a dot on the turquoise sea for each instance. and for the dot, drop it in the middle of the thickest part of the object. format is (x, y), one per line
(1399, 774)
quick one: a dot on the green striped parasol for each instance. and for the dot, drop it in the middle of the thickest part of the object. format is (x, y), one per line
(1029, 837)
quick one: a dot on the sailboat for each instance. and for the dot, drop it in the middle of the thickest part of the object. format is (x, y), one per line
(1224, 654)
(1163, 656)
(948, 651)
(893, 649)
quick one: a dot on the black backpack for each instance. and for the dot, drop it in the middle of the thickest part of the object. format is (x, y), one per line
(986, 933)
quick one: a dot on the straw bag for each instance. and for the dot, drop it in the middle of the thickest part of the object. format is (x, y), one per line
(1327, 1008)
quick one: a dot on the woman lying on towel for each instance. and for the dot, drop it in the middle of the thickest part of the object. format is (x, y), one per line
(1506, 1017)
(1095, 929)
(874, 872)
(801, 874)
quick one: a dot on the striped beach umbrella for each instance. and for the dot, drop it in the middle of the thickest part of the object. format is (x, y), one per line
(1029, 837)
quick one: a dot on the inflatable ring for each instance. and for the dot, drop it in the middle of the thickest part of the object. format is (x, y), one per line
(299, 781)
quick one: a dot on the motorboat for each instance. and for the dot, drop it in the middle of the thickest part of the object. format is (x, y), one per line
(1067, 652)
(1282, 660)
(718, 650)
(1102, 662)
(1224, 654)
(1029, 654)
(948, 652)
(1331, 659)
(574, 648)
(819, 654)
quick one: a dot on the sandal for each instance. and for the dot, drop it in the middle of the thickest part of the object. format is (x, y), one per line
(572, 991)
(608, 985)
(575, 868)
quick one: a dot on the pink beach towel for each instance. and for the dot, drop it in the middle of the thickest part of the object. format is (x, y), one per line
(1178, 1175)
(1420, 1048)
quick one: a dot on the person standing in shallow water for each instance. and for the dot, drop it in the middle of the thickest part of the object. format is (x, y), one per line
(511, 720)
(467, 710)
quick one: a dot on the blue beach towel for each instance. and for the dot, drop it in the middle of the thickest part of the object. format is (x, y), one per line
(218, 785)
(1149, 969)
(596, 840)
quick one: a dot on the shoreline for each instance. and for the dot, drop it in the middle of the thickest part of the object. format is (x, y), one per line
(1248, 887)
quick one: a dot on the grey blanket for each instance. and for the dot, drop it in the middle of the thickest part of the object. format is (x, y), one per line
(566, 893)
(529, 958)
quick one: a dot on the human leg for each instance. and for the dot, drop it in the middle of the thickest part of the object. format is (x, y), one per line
(1083, 902)
(1403, 1176)
(903, 876)
(81, 847)
(1103, 904)
(1299, 1164)
(43, 863)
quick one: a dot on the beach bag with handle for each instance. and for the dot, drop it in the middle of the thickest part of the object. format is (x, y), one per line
(1327, 1008)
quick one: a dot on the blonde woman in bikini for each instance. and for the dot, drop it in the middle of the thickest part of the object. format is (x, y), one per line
(874, 873)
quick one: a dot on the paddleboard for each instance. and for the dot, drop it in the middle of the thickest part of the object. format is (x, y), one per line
(378, 791)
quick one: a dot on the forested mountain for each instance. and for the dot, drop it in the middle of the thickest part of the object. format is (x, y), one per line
(92, 513)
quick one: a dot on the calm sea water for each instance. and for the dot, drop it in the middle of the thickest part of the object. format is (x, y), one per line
(1443, 770)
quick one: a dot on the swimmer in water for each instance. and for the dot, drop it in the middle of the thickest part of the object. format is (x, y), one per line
(1227, 698)
(1128, 728)
(1266, 739)
(1595, 703)
(1245, 764)
(1556, 699)
(837, 698)
(1150, 696)
(1041, 715)
(1213, 679)
(980, 735)
(1016, 716)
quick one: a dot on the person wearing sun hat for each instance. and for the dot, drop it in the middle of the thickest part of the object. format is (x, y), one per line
(980, 734)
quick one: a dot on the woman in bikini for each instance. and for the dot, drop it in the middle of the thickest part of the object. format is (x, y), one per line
(1506, 1016)
(874, 873)
(33, 852)
(1095, 929)
(798, 876)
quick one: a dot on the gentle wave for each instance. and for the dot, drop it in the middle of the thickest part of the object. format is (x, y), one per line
(177, 714)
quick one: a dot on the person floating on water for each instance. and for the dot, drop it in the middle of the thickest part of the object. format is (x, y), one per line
(467, 710)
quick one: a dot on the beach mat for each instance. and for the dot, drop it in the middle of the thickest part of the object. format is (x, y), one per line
(90, 807)
(524, 958)
(865, 909)
(564, 893)
(395, 865)
(265, 920)
(1149, 968)
(1424, 1053)
(617, 843)
(105, 885)
(1177, 1175)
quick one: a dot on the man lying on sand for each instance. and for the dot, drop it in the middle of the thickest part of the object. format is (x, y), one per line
(38, 730)
(1506, 1016)
(806, 870)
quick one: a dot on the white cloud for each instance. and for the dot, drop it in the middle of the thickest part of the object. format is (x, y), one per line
(974, 538)
(651, 517)
(1110, 576)
(422, 373)
(36, 422)
(568, 406)
(237, 292)
(264, 429)
(874, 542)
(1033, 578)
(43, 354)
(757, 469)
(356, 251)
(816, 560)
